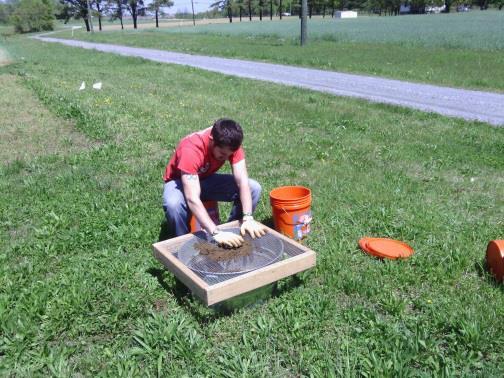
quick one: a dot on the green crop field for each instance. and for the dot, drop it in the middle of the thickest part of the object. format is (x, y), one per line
(80, 206)
(460, 50)
(473, 30)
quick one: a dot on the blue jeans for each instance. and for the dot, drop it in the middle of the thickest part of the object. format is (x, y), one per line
(217, 187)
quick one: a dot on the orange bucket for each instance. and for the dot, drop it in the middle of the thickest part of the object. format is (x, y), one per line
(292, 210)
(495, 259)
(212, 209)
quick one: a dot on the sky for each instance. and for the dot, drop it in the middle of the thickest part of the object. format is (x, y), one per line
(182, 5)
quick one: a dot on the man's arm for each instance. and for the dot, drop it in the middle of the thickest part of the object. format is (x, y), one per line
(249, 225)
(192, 191)
(241, 178)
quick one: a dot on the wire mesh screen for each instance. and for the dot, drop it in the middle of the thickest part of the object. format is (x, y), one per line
(265, 251)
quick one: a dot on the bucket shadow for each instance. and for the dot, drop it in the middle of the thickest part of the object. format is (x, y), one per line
(482, 269)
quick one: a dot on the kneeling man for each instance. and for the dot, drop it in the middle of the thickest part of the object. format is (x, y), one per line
(190, 178)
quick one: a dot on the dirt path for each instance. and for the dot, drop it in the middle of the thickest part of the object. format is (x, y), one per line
(467, 104)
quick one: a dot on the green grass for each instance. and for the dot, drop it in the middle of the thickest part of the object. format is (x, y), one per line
(80, 293)
(460, 50)
(25, 135)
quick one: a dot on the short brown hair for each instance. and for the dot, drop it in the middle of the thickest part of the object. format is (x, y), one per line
(227, 133)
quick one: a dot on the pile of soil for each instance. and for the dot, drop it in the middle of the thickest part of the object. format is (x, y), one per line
(217, 253)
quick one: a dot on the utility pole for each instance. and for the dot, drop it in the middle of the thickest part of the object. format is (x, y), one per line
(304, 20)
(193, 21)
(90, 22)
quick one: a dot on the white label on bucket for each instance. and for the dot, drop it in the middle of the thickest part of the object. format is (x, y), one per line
(302, 225)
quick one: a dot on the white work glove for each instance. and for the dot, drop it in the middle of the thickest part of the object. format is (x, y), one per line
(227, 239)
(255, 229)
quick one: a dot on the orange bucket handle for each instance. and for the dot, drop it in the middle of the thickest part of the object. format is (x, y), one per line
(305, 222)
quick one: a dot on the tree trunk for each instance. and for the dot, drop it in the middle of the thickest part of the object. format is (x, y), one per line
(99, 15)
(230, 15)
(280, 10)
(193, 20)
(310, 8)
(86, 22)
(304, 23)
(240, 13)
(271, 9)
(120, 13)
(134, 15)
(332, 10)
(157, 19)
(250, 9)
(323, 11)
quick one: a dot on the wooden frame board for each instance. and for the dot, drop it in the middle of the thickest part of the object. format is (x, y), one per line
(210, 294)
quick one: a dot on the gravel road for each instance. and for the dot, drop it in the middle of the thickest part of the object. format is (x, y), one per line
(467, 104)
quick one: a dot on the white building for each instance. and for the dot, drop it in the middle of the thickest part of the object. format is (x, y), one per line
(346, 14)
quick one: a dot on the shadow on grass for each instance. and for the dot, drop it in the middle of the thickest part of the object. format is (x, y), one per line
(204, 314)
(185, 298)
(483, 271)
(165, 232)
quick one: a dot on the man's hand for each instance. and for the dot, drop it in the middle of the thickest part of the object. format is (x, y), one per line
(255, 229)
(227, 239)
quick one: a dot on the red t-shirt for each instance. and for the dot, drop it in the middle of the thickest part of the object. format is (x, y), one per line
(193, 156)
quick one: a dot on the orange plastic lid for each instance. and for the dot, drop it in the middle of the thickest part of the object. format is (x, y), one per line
(495, 258)
(386, 248)
(363, 245)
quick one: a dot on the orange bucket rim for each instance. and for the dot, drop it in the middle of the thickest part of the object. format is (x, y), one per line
(495, 259)
(274, 193)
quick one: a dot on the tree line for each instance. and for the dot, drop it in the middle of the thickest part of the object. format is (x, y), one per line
(269, 8)
(40, 15)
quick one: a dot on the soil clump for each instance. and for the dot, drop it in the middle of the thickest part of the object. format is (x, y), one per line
(217, 253)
